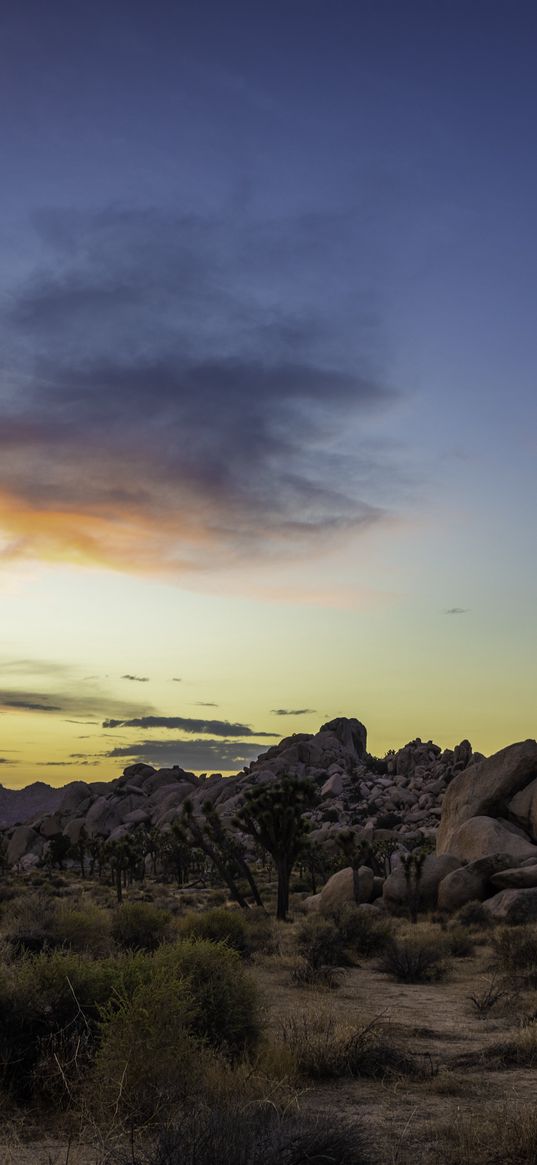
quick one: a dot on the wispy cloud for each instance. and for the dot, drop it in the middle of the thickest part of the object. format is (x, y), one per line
(187, 724)
(292, 711)
(456, 611)
(79, 704)
(137, 679)
(219, 355)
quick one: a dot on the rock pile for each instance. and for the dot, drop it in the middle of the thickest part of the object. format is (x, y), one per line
(401, 794)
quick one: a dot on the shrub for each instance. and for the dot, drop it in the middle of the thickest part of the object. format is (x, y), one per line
(515, 954)
(85, 928)
(495, 1135)
(320, 942)
(304, 974)
(323, 1049)
(414, 960)
(139, 926)
(148, 1060)
(32, 925)
(474, 914)
(458, 943)
(217, 925)
(520, 1051)
(362, 931)
(483, 1001)
(50, 1005)
(256, 1135)
(227, 1009)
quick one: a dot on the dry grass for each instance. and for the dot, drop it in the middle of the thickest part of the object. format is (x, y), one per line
(504, 1135)
(324, 1049)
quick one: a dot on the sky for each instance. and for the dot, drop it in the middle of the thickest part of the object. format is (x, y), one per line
(268, 420)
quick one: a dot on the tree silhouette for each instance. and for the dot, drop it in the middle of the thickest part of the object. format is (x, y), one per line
(273, 815)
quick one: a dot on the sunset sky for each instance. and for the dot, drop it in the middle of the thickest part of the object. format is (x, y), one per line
(268, 359)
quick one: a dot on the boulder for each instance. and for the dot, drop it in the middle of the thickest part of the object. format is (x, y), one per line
(481, 836)
(434, 870)
(351, 733)
(484, 789)
(311, 904)
(138, 772)
(515, 906)
(472, 881)
(343, 889)
(520, 878)
(50, 826)
(74, 828)
(23, 840)
(333, 786)
(75, 793)
(103, 817)
(522, 808)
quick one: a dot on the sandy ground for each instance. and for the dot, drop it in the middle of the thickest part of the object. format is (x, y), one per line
(436, 1022)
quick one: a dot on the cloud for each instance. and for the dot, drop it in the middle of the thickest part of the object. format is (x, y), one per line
(205, 704)
(5, 760)
(35, 667)
(456, 611)
(78, 704)
(27, 703)
(177, 395)
(292, 711)
(198, 755)
(186, 724)
(137, 679)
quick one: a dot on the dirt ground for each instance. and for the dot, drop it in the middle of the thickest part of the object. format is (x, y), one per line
(436, 1022)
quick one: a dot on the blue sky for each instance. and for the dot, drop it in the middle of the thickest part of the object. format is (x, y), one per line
(268, 358)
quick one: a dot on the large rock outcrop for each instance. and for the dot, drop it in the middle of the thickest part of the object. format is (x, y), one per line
(486, 790)
(434, 870)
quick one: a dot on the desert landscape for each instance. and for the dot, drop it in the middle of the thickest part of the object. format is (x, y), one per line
(161, 1001)
(268, 647)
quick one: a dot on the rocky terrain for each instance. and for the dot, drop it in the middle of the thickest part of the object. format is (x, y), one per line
(401, 793)
(481, 813)
(22, 804)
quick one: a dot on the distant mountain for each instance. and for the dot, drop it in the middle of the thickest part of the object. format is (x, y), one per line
(23, 804)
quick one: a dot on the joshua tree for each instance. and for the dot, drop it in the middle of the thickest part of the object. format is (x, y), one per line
(357, 851)
(58, 849)
(230, 848)
(413, 866)
(273, 815)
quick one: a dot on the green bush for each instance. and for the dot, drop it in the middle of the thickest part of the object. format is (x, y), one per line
(51, 1004)
(217, 925)
(227, 1009)
(85, 928)
(32, 924)
(414, 960)
(149, 1061)
(139, 926)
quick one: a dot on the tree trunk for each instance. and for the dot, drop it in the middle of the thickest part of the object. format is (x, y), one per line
(284, 875)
